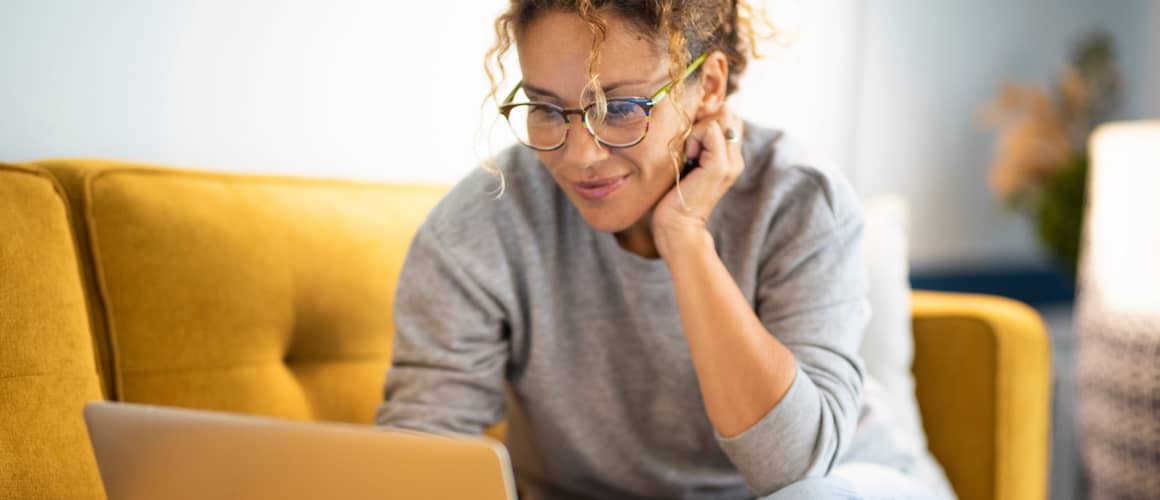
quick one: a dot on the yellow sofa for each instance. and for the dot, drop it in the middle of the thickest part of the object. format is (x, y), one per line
(272, 296)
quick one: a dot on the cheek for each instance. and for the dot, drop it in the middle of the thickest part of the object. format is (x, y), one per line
(665, 129)
(653, 176)
(555, 163)
(654, 155)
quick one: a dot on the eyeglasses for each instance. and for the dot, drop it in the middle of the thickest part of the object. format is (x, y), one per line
(544, 127)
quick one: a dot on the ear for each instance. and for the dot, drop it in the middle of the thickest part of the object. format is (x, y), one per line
(713, 82)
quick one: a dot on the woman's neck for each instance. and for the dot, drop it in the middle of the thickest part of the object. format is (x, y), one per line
(638, 238)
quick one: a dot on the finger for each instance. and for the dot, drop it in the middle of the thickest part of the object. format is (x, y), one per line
(715, 152)
(692, 147)
(738, 127)
(694, 144)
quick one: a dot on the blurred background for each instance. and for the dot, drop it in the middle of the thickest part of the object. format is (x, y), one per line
(925, 100)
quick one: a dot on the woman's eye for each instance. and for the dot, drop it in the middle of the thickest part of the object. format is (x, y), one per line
(620, 108)
(623, 112)
(543, 114)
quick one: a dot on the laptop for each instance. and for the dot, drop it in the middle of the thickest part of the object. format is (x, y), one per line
(149, 452)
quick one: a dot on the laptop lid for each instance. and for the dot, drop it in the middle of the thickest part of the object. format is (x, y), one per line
(149, 452)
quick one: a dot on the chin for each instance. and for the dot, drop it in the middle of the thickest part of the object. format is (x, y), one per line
(607, 227)
(607, 223)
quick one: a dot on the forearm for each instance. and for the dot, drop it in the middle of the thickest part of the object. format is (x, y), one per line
(743, 370)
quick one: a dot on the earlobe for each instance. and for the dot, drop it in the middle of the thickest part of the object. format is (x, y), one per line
(712, 103)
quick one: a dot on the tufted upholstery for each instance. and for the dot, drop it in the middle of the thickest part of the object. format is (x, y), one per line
(46, 363)
(259, 295)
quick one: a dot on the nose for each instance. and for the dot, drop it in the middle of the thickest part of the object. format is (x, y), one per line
(581, 148)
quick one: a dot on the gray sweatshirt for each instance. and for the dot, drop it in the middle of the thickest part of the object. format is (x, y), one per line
(515, 308)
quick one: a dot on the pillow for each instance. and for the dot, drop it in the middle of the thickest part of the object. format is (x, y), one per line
(888, 345)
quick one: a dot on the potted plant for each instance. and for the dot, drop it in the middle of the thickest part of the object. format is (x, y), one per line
(1040, 160)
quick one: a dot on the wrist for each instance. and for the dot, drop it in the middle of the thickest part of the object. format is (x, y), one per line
(674, 244)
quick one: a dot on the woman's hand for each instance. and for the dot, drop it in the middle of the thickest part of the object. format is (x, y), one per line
(674, 225)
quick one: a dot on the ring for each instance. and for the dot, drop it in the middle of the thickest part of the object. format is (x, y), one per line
(731, 135)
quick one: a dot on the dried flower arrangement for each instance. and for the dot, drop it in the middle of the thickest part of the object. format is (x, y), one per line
(1040, 160)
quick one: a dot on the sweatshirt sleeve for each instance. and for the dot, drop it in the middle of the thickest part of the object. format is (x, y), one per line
(811, 295)
(450, 345)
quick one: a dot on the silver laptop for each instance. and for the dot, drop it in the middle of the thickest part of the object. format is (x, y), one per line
(148, 452)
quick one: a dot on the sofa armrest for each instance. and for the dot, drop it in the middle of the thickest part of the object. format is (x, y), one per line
(983, 380)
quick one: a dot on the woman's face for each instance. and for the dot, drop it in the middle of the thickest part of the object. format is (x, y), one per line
(553, 52)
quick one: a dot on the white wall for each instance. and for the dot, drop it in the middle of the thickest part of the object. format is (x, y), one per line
(927, 67)
(804, 84)
(347, 88)
(884, 90)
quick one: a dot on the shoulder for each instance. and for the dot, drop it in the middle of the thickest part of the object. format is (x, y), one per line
(474, 214)
(793, 193)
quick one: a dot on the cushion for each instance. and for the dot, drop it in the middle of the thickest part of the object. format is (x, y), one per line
(47, 371)
(251, 294)
(888, 345)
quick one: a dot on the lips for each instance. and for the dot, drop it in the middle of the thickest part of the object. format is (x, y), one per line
(599, 182)
(600, 188)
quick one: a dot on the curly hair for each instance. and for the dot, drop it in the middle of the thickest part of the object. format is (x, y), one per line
(684, 29)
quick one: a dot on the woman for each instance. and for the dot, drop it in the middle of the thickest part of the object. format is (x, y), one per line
(644, 338)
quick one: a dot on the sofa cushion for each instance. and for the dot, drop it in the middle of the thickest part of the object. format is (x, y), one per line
(252, 294)
(888, 346)
(47, 371)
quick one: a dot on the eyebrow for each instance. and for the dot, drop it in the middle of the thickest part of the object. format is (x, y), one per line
(607, 88)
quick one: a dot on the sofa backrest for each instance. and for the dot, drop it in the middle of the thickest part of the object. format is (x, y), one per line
(251, 294)
(47, 371)
(272, 296)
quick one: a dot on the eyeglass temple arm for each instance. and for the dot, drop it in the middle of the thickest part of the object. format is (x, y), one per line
(512, 95)
(664, 91)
